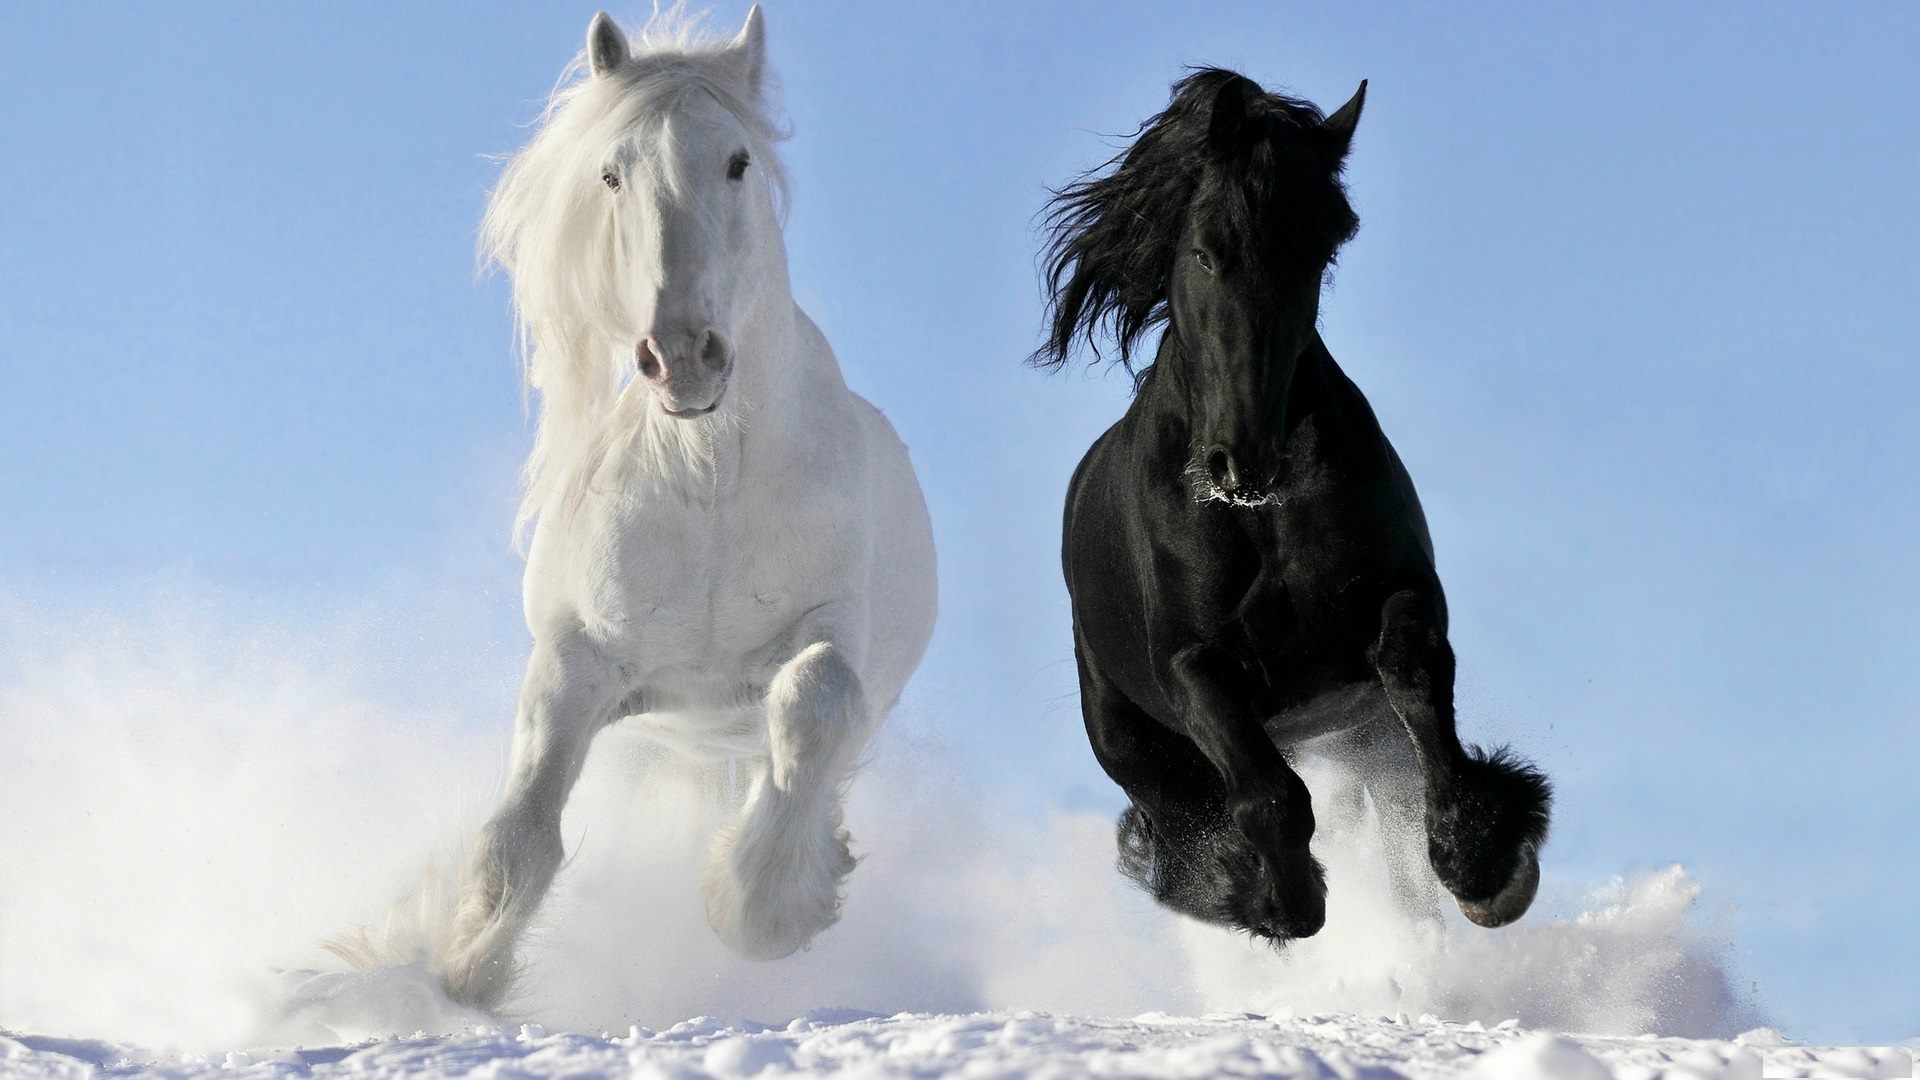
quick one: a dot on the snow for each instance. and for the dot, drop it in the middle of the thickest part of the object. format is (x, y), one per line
(999, 1044)
(163, 901)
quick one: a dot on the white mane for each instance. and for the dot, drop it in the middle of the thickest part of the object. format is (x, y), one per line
(550, 225)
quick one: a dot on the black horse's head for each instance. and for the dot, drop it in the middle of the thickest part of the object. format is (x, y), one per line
(1220, 220)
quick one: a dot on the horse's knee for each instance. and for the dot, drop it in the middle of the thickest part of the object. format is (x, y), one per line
(1277, 817)
(816, 717)
(1412, 652)
(524, 846)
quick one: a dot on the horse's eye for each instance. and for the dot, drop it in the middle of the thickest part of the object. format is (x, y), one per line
(1205, 260)
(737, 165)
(611, 179)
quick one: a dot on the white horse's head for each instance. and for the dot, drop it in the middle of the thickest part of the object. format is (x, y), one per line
(691, 215)
(641, 226)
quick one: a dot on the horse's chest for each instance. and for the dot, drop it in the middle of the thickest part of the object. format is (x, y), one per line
(1306, 616)
(694, 585)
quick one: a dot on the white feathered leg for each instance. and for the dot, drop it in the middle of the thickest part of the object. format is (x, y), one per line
(773, 881)
(567, 698)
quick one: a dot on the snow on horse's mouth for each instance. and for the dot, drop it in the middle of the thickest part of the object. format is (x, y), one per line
(1245, 498)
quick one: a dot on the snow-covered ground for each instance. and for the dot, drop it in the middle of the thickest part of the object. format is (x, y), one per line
(182, 827)
(1025, 1044)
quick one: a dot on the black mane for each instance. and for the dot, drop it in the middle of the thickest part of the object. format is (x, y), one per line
(1111, 233)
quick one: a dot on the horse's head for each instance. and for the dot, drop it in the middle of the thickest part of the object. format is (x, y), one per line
(692, 213)
(641, 227)
(1243, 290)
(1221, 220)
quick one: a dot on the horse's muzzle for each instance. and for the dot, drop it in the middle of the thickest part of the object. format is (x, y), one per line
(671, 405)
(1232, 477)
(685, 368)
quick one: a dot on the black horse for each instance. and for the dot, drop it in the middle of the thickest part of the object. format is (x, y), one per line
(1250, 569)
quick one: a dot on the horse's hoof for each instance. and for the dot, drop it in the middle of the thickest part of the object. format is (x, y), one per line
(768, 896)
(1290, 906)
(1509, 903)
(1287, 928)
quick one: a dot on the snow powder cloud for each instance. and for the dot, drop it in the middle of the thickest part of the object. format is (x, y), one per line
(187, 805)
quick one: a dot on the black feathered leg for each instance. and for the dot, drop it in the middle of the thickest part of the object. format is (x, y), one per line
(1487, 813)
(1179, 839)
(1179, 808)
(1265, 798)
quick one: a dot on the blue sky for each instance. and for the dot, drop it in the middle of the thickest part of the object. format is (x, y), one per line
(1634, 295)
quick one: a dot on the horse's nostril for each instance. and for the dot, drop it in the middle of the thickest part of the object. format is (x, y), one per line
(714, 350)
(648, 359)
(1221, 467)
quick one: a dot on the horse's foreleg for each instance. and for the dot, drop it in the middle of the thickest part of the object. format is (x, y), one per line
(1176, 838)
(567, 698)
(1281, 890)
(1486, 813)
(773, 881)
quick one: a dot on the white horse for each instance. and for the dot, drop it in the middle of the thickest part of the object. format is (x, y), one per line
(728, 544)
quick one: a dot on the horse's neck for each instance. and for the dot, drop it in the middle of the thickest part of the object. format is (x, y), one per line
(764, 371)
(779, 365)
(1160, 408)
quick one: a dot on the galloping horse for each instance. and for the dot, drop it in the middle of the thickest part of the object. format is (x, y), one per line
(1250, 569)
(728, 543)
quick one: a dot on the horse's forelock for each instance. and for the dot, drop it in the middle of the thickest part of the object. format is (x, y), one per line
(1112, 232)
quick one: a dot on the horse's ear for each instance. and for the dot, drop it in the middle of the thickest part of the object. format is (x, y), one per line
(1227, 124)
(750, 45)
(1335, 133)
(606, 46)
